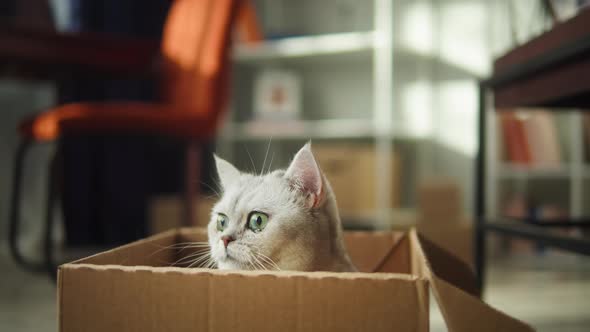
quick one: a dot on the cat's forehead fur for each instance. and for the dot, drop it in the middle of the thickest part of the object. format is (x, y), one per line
(257, 192)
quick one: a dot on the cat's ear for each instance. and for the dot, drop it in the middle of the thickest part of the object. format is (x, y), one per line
(304, 173)
(226, 172)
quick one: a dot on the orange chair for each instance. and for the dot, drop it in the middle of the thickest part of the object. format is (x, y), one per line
(194, 64)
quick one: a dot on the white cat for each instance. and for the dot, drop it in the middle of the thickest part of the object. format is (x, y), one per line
(285, 220)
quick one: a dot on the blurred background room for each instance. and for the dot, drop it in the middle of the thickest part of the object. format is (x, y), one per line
(396, 96)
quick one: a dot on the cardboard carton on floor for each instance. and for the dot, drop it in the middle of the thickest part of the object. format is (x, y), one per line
(345, 165)
(350, 168)
(441, 218)
(167, 212)
(440, 201)
(135, 288)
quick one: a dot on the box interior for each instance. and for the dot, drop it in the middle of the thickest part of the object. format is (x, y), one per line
(370, 251)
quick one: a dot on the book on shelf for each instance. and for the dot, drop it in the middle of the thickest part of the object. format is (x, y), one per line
(542, 139)
(530, 138)
(515, 142)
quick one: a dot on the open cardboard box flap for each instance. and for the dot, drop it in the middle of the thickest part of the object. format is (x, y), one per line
(134, 288)
(454, 289)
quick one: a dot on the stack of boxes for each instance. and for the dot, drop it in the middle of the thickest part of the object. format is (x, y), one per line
(441, 218)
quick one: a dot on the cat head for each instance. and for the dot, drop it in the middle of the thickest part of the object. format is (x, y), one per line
(280, 220)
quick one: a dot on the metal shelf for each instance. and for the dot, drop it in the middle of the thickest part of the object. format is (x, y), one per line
(310, 129)
(355, 45)
(551, 70)
(541, 235)
(514, 171)
(306, 46)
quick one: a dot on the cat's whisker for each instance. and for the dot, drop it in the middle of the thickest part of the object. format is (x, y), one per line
(212, 189)
(269, 261)
(199, 263)
(211, 197)
(200, 260)
(192, 247)
(265, 155)
(210, 263)
(185, 243)
(251, 160)
(262, 266)
(193, 256)
(179, 246)
(272, 157)
(249, 261)
(186, 260)
(218, 184)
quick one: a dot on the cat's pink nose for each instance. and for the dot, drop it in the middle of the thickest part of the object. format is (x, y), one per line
(226, 240)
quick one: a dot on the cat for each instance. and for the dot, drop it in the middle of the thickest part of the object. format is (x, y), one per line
(283, 220)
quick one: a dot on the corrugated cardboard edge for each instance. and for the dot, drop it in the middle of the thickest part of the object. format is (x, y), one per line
(59, 299)
(461, 311)
(241, 273)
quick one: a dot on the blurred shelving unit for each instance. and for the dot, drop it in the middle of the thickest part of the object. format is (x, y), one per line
(572, 172)
(306, 46)
(312, 129)
(551, 71)
(370, 48)
(354, 64)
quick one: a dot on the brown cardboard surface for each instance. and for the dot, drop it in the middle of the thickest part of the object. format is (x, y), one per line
(440, 201)
(451, 284)
(134, 288)
(370, 250)
(113, 299)
(143, 252)
(346, 166)
(167, 212)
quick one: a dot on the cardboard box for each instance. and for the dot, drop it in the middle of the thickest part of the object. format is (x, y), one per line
(167, 212)
(350, 168)
(440, 200)
(134, 288)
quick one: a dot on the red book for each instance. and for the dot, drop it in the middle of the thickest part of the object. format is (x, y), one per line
(522, 143)
(515, 141)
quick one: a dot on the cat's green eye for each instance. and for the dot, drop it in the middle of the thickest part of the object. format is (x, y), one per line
(221, 221)
(257, 221)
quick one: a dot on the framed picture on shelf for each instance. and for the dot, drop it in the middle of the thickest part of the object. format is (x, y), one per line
(277, 95)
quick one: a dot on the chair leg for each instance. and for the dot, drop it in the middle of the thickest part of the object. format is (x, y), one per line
(192, 181)
(14, 226)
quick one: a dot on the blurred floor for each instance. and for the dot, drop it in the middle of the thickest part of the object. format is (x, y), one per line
(27, 301)
(551, 292)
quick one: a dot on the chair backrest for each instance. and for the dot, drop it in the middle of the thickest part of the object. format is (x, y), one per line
(195, 52)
